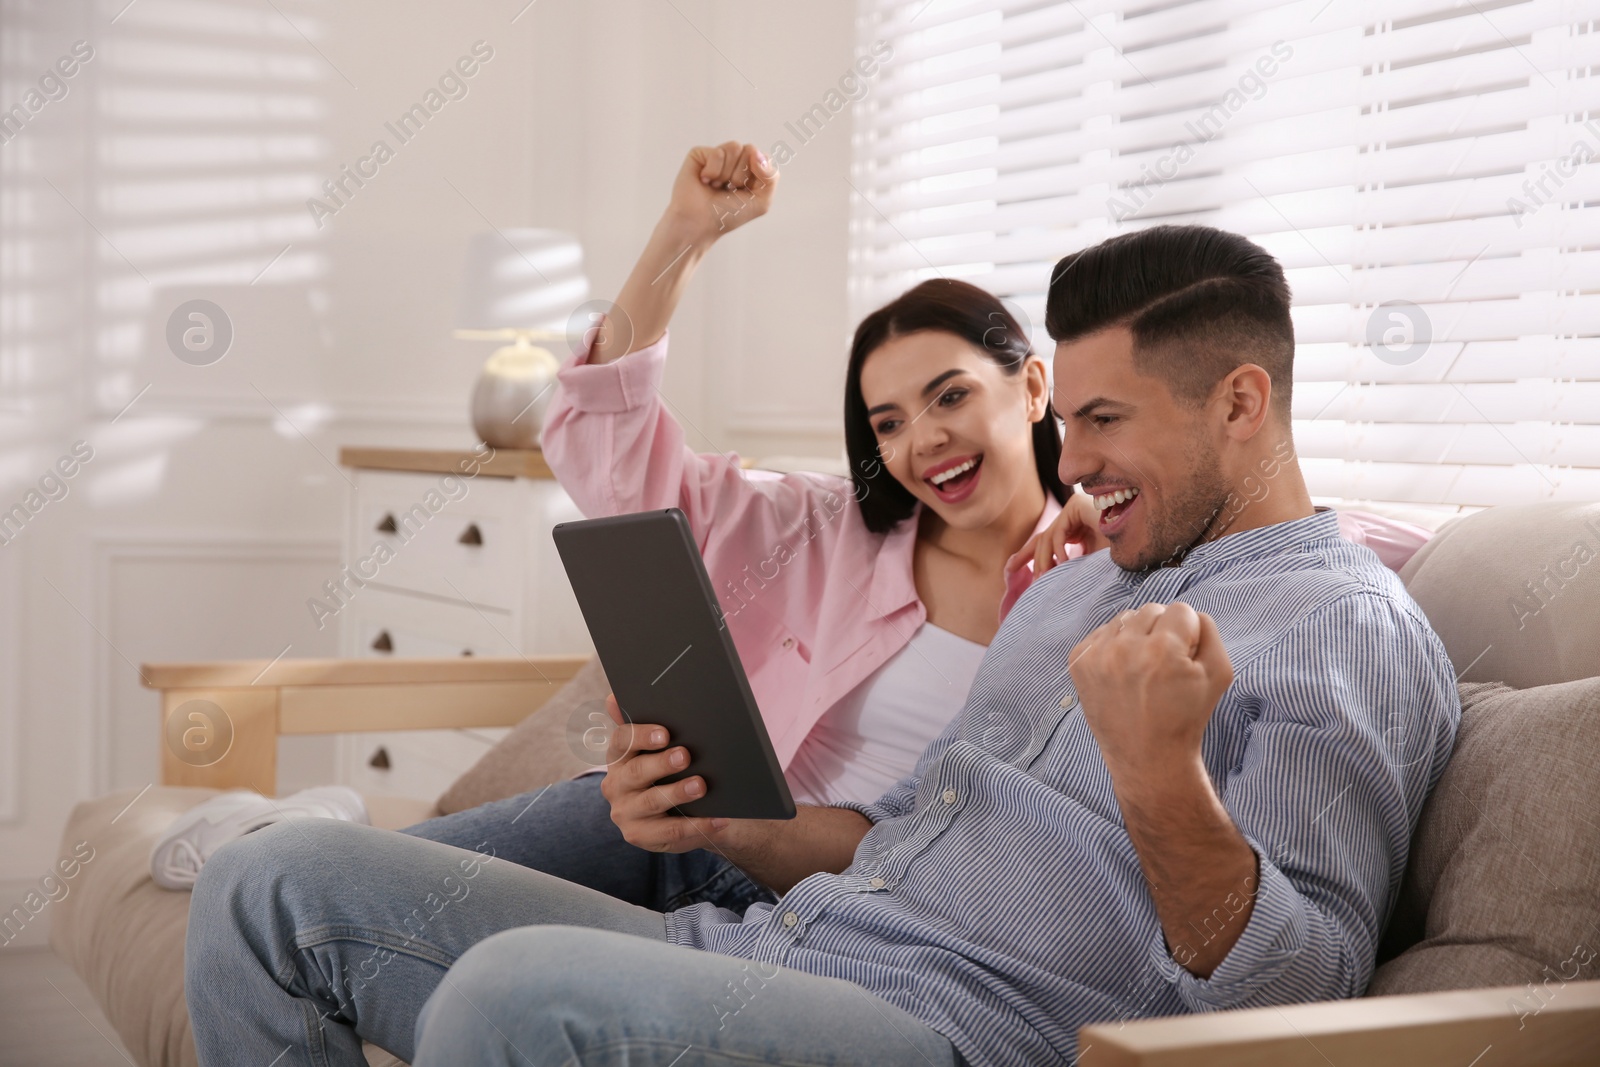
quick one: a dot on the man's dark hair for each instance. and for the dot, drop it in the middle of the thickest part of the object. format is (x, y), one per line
(1199, 302)
(978, 318)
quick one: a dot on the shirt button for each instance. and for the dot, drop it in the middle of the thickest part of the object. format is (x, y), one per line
(790, 918)
(788, 642)
(878, 883)
(949, 796)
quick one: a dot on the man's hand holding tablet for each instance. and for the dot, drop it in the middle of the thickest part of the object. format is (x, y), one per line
(776, 852)
(652, 614)
(643, 806)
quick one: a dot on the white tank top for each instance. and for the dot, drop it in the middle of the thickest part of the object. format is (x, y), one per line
(872, 738)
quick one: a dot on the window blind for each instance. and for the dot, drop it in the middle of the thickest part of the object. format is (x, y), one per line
(1427, 171)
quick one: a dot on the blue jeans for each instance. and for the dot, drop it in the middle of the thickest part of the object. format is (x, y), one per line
(312, 934)
(566, 830)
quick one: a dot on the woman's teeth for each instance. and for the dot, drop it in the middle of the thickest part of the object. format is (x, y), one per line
(1113, 499)
(945, 476)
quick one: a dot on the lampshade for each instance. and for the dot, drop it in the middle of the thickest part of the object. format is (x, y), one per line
(525, 278)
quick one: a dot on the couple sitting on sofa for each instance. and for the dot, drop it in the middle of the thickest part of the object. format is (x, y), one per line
(1180, 775)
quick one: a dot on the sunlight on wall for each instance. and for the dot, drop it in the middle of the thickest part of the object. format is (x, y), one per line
(208, 136)
(178, 154)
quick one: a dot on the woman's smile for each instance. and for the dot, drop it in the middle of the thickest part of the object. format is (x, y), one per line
(955, 479)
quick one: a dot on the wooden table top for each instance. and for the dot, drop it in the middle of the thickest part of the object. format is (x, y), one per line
(504, 463)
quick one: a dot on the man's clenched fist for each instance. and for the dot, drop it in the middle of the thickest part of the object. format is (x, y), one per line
(1148, 681)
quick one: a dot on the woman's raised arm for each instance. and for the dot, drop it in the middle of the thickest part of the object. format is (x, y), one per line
(717, 190)
(609, 435)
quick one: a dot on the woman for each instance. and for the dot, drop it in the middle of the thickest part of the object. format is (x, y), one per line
(860, 607)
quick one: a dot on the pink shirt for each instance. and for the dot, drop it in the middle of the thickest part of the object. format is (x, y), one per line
(815, 602)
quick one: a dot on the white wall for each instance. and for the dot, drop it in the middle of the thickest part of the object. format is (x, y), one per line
(760, 344)
(180, 162)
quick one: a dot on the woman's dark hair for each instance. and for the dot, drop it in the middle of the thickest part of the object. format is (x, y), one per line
(978, 318)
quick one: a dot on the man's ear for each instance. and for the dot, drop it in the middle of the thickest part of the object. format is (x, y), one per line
(1246, 394)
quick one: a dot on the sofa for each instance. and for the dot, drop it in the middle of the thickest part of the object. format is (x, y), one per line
(1491, 955)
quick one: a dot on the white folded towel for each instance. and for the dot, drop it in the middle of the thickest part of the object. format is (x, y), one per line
(178, 855)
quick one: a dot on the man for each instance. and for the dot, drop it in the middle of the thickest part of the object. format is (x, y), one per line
(1185, 779)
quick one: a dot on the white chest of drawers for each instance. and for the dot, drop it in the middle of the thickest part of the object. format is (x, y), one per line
(438, 563)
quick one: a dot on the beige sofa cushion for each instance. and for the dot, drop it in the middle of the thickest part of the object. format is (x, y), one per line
(1514, 592)
(545, 747)
(1503, 885)
(124, 934)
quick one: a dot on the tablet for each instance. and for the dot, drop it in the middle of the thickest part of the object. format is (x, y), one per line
(666, 650)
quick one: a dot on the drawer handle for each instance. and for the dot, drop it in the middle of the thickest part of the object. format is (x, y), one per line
(471, 535)
(382, 643)
(380, 759)
(466, 651)
(387, 524)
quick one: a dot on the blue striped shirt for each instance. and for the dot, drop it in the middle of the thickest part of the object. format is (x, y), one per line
(998, 896)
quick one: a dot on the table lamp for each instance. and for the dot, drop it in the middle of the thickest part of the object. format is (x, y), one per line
(518, 286)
